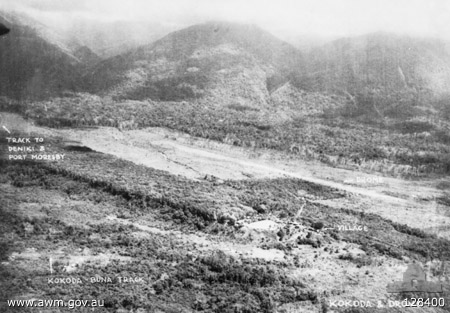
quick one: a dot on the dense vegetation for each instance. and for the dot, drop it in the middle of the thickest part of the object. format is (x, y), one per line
(416, 146)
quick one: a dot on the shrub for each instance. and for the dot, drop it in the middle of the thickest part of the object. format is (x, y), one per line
(241, 107)
(318, 225)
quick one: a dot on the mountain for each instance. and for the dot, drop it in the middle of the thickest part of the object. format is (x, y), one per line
(386, 67)
(225, 63)
(36, 63)
(222, 61)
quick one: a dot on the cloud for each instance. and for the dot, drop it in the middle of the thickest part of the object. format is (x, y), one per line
(324, 17)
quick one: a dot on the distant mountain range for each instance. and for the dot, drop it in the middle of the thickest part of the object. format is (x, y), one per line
(388, 74)
(381, 62)
(225, 63)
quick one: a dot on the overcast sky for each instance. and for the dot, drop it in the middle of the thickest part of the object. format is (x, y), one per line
(320, 17)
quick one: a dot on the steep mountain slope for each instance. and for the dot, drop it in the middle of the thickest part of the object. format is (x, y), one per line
(222, 61)
(382, 64)
(58, 37)
(34, 63)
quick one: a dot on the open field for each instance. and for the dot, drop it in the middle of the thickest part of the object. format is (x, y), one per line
(197, 158)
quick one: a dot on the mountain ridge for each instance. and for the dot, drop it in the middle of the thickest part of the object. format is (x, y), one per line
(195, 58)
(230, 63)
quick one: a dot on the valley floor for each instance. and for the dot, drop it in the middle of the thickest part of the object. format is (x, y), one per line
(257, 247)
(180, 154)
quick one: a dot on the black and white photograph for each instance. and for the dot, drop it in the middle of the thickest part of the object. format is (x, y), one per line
(224, 156)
